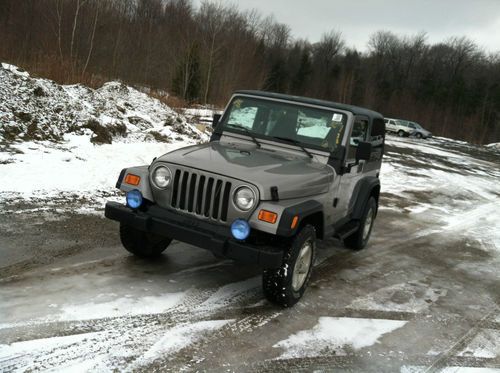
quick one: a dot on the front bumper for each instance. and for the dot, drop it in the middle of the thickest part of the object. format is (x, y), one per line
(191, 230)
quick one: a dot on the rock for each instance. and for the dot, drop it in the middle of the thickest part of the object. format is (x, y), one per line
(101, 133)
(159, 137)
(39, 92)
(25, 117)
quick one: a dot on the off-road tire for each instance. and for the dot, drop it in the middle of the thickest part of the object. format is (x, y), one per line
(277, 283)
(359, 239)
(401, 133)
(142, 244)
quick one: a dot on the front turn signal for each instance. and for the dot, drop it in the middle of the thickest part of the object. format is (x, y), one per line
(268, 216)
(132, 179)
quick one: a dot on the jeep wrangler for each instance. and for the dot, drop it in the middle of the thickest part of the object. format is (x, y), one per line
(279, 173)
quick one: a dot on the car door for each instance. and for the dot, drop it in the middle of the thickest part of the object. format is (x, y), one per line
(391, 125)
(351, 172)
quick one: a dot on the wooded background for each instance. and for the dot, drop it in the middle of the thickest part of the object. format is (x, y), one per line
(203, 54)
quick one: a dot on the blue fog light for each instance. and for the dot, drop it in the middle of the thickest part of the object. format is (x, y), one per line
(240, 229)
(134, 199)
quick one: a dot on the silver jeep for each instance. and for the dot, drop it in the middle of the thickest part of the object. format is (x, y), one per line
(279, 173)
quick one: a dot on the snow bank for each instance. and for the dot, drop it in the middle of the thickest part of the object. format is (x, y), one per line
(40, 109)
(49, 135)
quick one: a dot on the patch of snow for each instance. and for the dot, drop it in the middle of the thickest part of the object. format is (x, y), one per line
(23, 351)
(14, 69)
(177, 338)
(486, 344)
(230, 293)
(334, 335)
(411, 297)
(469, 370)
(44, 170)
(412, 369)
(495, 145)
(121, 307)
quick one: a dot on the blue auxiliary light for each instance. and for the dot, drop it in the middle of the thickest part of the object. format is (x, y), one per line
(240, 229)
(134, 199)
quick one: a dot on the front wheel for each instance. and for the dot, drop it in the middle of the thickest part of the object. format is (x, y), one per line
(401, 133)
(418, 135)
(141, 243)
(286, 285)
(359, 239)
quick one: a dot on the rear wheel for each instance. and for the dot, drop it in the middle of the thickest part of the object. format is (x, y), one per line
(141, 243)
(359, 239)
(286, 285)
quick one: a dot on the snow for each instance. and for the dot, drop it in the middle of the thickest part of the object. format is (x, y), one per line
(230, 293)
(121, 307)
(336, 335)
(178, 337)
(15, 70)
(411, 297)
(486, 344)
(469, 370)
(23, 347)
(49, 152)
(457, 193)
(45, 169)
(40, 109)
(450, 369)
(495, 145)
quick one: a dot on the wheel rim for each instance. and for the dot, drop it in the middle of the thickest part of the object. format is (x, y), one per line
(401, 133)
(368, 224)
(302, 266)
(419, 136)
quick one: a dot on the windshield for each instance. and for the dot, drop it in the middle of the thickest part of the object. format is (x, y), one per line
(284, 122)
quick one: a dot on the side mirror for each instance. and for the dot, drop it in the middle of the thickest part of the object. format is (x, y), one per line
(364, 151)
(216, 119)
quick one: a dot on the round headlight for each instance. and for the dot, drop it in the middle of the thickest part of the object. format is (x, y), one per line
(244, 198)
(134, 198)
(240, 229)
(162, 177)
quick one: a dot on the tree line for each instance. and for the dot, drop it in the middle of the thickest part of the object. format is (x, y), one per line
(202, 54)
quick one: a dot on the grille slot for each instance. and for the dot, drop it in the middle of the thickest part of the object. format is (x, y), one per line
(200, 194)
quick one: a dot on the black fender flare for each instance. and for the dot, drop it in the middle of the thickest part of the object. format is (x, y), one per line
(366, 187)
(302, 210)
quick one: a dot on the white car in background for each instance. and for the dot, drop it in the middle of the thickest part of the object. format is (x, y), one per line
(406, 128)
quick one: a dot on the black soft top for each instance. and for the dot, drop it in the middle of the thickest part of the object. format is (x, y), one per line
(356, 110)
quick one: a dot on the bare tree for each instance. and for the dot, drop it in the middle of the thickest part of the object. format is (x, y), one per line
(91, 48)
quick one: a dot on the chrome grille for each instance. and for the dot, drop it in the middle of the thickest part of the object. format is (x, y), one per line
(200, 194)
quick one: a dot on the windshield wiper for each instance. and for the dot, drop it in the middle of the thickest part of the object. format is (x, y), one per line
(240, 127)
(294, 142)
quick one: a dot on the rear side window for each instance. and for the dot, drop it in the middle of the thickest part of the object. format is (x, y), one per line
(359, 134)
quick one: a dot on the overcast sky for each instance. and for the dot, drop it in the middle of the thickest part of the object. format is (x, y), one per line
(357, 19)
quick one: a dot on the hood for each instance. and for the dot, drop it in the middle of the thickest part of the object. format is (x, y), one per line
(294, 175)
